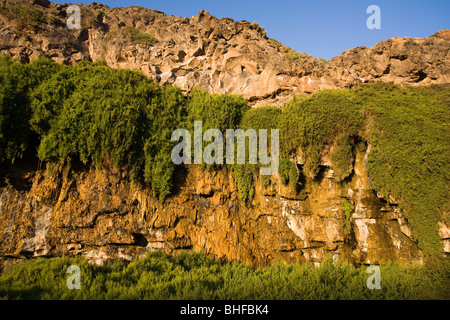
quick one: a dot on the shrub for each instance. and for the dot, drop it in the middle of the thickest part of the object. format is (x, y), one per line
(192, 276)
(259, 29)
(141, 37)
(266, 181)
(261, 118)
(410, 156)
(311, 124)
(92, 111)
(16, 84)
(406, 128)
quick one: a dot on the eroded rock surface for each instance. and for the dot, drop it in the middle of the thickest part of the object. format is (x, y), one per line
(100, 214)
(218, 55)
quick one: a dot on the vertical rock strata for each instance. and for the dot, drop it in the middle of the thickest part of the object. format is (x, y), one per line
(100, 214)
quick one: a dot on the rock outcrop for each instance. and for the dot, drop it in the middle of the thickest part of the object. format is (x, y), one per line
(218, 55)
(100, 214)
(410, 61)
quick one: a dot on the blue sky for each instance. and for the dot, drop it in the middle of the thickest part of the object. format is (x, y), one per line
(322, 28)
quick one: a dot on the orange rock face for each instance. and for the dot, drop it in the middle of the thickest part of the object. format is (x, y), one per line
(100, 214)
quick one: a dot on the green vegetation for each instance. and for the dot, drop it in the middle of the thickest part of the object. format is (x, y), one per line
(311, 124)
(92, 113)
(407, 129)
(27, 17)
(244, 174)
(347, 211)
(266, 181)
(193, 276)
(261, 118)
(216, 111)
(410, 158)
(141, 37)
(288, 173)
(222, 112)
(17, 83)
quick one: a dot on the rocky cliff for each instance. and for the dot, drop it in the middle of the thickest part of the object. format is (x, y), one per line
(219, 55)
(100, 214)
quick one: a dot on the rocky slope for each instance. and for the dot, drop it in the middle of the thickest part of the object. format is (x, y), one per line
(100, 214)
(219, 55)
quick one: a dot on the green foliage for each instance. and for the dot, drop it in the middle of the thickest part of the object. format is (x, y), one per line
(407, 129)
(93, 112)
(244, 174)
(275, 42)
(192, 276)
(311, 124)
(261, 118)
(342, 157)
(347, 211)
(288, 173)
(410, 156)
(16, 84)
(265, 181)
(141, 37)
(26, 17)
(216, 111)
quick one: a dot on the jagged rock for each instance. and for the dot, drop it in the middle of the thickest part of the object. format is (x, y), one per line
(102, 215)
(413, 61)
(219, 55)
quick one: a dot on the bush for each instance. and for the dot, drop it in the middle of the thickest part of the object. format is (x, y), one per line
(16, 84)
(192, 276)
(141, 37)
(92, 112)
(216, 111)
(255, 26)
(311, 124)
(410, 157)
(262, 118)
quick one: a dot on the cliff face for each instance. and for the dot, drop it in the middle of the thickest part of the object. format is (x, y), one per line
(100, 214)
(219, 55)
